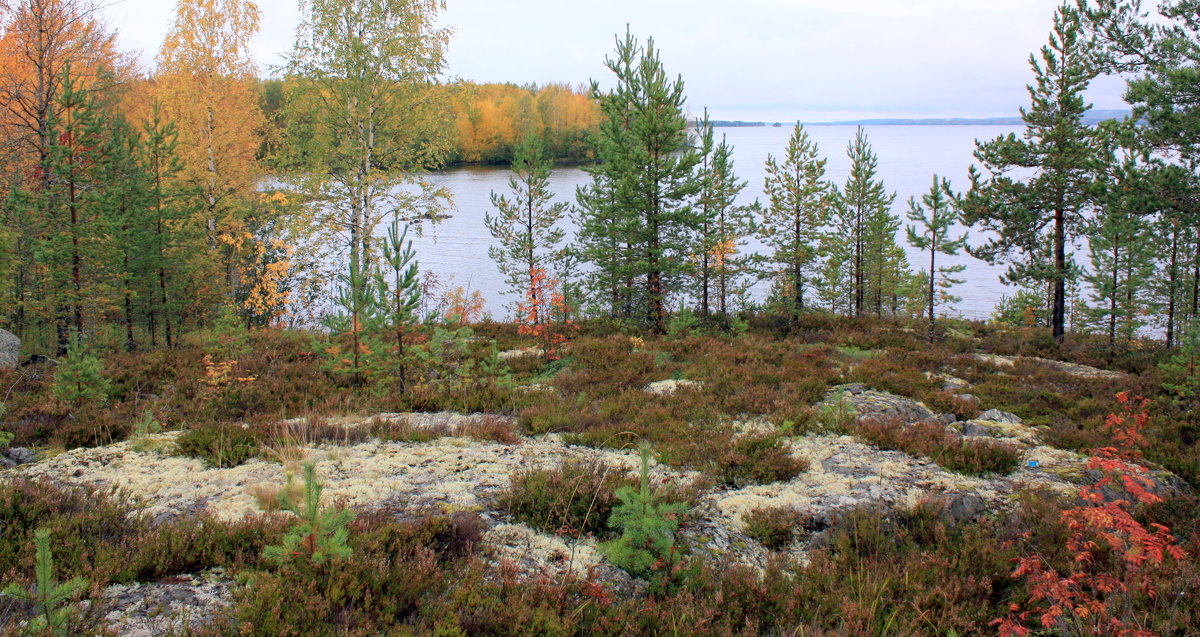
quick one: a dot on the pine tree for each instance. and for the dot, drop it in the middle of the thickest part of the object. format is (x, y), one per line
(1026, 212)
(862, 218)
(172, 236)
(885, 266)
(934, 217)
(794, 220)
(1120, 246)
(647, 524)
(72, 238)
(399, 294)
(638, 202)
(47, 596)
(723, 224)
(835, 287)
(527, 225)
(319, 534)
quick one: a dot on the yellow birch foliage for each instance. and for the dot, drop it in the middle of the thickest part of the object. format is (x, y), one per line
(206, 82)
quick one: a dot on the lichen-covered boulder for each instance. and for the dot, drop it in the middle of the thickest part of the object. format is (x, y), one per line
(668, 387)
(10, 350)
(995, 415)
(874, 405)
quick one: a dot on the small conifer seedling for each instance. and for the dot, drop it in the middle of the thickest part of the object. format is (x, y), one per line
(648, 525)
(320, 534)
(48, 595)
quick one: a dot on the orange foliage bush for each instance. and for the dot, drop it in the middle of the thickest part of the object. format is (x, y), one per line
(544, 314)
(1085, 597)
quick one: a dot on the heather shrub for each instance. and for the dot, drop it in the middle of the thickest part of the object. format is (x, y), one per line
(221, 446)
(755, 459)
(774, 527)
(932, 440)
(576, 497)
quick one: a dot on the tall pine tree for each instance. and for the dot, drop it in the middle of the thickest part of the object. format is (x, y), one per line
(1035, 192)
(723, 224)
(933, 218)
(636, 218)
(863, 220)
(798, 210)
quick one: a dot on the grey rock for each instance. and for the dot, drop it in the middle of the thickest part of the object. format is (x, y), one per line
(977, 430)
(10, 350)
(970, 398)
(21, 455)
(995, 415)
(877, 405)
(5, 463)
(851, 388)
(954, 384)
(947, 419)
(963, 507)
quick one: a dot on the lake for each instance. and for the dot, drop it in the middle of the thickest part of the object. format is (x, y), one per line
(456, 249)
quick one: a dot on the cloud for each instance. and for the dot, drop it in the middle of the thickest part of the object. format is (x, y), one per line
(751, 59)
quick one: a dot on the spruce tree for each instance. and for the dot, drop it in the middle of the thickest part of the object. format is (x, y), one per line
(933, 218)
(1035, 191)
(639, 202)
(527, 224)
(798, 210)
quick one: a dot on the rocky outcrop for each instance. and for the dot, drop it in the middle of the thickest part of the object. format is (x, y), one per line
(10, 350)
(668, 387)
(1074, 369)
(877, 405)
(994, 423)
(19, 455)
(169, 606)
(456, 474)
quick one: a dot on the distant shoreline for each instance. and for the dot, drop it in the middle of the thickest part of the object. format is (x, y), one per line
(1093, 117)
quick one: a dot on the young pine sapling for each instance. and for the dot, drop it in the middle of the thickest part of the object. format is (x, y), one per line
(320, 534)
(48, 595)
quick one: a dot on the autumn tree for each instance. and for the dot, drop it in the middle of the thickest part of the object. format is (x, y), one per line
(365, 117)
(1034, 189)
(206, 85)
(799, 208)
(527, 223)
(933, 218)
(40, 39)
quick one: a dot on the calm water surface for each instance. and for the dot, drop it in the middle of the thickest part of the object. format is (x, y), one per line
(456, 250)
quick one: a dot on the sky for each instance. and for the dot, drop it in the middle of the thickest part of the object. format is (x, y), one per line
(755, 60)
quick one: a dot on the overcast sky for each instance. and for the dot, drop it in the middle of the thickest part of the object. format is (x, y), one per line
(772, 60)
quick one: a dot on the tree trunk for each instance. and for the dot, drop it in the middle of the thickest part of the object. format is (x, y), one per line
(1058, 313)
(1173, 273)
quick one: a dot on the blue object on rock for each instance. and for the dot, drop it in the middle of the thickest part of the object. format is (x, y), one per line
(1034, 463)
